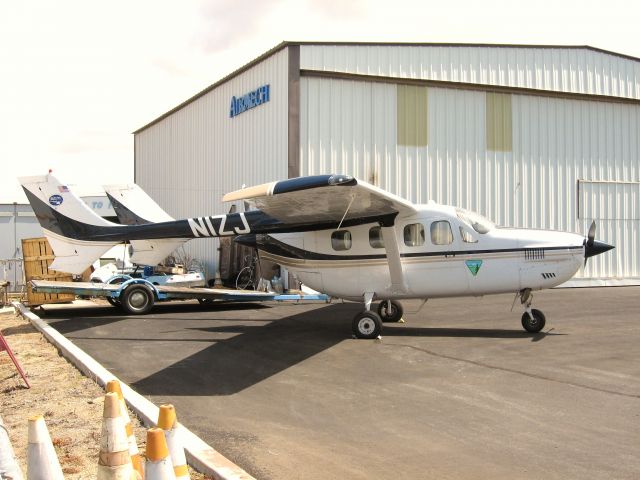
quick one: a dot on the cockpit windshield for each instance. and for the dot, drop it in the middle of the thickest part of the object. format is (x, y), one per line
(476, 221)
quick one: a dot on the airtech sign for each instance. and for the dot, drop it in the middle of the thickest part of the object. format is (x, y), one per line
(249, 100)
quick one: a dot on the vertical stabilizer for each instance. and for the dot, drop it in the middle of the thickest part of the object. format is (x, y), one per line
(65, 218)
(134, 206)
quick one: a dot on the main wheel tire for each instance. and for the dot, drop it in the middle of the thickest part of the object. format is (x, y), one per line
(205, 301)
(389, 315)
(367, 325)
(533, 325)
(137, 300)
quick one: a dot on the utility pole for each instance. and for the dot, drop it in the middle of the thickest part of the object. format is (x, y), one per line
(16, 250)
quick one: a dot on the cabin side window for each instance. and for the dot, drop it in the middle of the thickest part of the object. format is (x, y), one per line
(341, 240)
(467, 237)
(414, 235)
(375, 237)
(441, 233)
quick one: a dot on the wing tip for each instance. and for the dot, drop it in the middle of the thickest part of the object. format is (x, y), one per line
(290, 185)
(250, 192)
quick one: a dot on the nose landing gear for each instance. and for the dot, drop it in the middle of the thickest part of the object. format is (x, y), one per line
(533, 320)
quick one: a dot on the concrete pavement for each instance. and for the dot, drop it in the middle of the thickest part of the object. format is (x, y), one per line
(459, 391)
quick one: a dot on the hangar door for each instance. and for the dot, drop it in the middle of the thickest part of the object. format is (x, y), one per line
(615, 207)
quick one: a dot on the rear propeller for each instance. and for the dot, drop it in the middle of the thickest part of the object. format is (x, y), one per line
(593, 247)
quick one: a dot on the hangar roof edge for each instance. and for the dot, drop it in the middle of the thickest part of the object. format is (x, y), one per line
(286, 44)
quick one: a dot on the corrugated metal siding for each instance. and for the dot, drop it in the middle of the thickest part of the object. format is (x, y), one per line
(16, 222)
(557, 69)
(189, 159)
(350, 127)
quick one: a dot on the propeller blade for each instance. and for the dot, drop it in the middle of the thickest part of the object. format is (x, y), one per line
(592, 233)
(591, 246)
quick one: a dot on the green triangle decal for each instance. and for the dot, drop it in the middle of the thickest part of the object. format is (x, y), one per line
(474, 266)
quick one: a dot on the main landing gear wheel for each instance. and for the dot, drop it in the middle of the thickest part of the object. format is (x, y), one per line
(535, 324)
(367, 325)
(390, 311)
(137, 299)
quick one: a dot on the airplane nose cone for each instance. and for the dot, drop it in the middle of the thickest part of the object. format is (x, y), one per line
(591, 249)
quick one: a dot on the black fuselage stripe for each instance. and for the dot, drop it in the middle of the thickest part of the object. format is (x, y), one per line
(257, 220)
(276, 247)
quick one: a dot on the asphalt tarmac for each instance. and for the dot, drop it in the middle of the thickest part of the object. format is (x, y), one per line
(459, 391)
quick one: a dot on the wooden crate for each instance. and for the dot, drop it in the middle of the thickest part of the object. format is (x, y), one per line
(38, 255)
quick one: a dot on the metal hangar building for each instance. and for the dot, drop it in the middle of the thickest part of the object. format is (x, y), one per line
(530, 136)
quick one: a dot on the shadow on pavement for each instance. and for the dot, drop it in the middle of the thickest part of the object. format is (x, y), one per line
(69, 320)
(257, 352)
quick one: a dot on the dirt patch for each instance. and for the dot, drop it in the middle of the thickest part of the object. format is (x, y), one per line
(70, 402)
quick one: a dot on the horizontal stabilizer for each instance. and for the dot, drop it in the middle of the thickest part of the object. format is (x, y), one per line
(75, 256)
(152, 252)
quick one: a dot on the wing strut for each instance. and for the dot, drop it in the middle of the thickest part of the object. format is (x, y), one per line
(398, 282)
(353, 197)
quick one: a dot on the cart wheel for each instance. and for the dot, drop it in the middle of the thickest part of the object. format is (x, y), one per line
(113, 301)
(137, 299)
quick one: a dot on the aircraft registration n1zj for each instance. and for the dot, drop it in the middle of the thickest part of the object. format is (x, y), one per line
(338, 235)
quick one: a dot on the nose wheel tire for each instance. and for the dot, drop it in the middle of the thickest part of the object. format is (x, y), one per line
(535, 324)
(390, 314)
(137, 300)
(367, 325)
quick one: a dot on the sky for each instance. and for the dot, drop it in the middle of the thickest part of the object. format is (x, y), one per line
(77, 77)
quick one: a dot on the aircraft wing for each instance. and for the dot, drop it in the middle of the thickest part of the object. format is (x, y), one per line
(334, 198)
(323, 198)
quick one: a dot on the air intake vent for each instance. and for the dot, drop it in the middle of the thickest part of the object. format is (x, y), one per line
(534, 254)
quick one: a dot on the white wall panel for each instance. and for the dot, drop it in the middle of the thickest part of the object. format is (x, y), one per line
(350, 127)
(189, 159)
(576, 70)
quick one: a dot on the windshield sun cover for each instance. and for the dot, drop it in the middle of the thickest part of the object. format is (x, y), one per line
(476, 221)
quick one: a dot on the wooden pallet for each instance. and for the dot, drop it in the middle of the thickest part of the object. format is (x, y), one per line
(38, 256)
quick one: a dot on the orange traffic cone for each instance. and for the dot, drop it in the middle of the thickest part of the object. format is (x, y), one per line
(136, 458)
(168, 422)
(159, 466)
(114, 462)
(42, 462)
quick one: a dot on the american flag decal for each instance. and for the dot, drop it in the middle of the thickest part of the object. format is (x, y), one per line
(63, 188)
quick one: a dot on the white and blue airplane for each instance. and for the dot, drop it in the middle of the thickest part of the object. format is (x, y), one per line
(338, 235)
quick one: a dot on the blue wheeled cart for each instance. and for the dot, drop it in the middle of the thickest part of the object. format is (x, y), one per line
(137, 296)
